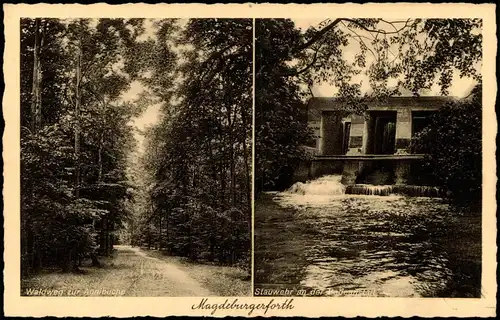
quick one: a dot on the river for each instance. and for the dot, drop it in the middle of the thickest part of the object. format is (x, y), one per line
(384, 246)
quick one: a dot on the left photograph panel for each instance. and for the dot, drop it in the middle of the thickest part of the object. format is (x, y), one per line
(136, 157)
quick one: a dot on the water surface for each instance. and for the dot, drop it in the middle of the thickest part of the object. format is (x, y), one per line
(390, 246)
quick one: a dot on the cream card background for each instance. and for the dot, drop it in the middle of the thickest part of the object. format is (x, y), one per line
(128, 306)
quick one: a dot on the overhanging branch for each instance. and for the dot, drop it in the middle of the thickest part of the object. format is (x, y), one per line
(335, 22)
(319, 35)
(307, 67)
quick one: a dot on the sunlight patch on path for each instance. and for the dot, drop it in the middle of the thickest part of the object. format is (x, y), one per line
(160, 278)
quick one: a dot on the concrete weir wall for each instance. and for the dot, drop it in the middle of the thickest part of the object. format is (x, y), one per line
(397, 170)
(373, 148)
(331, 133)
(314, 169)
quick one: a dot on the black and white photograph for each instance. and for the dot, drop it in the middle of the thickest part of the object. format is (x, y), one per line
(249, 160)
(368, 157)
(136, 156)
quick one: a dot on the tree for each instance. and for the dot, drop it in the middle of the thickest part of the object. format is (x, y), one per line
(457, 166)
(52, 68)
(36, 95)
(104, 120)
(280, 128)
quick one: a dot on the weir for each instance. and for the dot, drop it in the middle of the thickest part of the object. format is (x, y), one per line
(332, 185)
(326, 185)
(407, 190)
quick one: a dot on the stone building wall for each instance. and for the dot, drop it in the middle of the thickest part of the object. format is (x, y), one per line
(378, 141)
(325, 119)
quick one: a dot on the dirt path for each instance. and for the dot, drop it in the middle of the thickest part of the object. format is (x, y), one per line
(129, 272)
(161, 277)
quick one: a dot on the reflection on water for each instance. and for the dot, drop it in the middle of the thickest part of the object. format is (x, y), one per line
(383, 245)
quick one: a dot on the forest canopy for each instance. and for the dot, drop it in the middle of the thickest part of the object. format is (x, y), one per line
(84, 185)
(75, 134)
(198, 156)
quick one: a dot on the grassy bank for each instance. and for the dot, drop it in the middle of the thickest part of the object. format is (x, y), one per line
(117, 272)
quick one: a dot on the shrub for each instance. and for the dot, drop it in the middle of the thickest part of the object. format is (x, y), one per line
(453, 146)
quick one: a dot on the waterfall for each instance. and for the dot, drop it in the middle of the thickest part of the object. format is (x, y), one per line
(325, 186)
(330, 185)
(386, 190)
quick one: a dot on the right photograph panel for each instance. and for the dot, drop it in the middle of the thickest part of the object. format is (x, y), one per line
(368, 157)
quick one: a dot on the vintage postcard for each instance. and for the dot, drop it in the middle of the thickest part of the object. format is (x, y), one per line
(250, 160)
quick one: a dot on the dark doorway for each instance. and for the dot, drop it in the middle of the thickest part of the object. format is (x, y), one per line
(382, 132)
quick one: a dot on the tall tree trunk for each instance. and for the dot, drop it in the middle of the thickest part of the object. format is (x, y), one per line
(29, 247)
(213, 222)
(159, 244)
(101, 138)
(247, 158)
(222, 175)
(36, 96)
(233, 177)
(107, 244)
(99, 159)
(104, 218)
(77, 113)
(232, 166)
(167, 236)
(248, 191)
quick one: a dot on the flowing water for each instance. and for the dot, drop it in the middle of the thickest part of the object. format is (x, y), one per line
(388, 245)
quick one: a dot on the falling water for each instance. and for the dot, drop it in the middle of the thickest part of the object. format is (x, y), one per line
(326, 185)
(331, 185)
(386, 190)
(316, 193)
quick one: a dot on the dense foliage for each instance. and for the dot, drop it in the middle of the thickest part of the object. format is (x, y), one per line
(188, 191)
(197, 164)
(74, 138)
(280, 122)
(405, 56)
(453, 145)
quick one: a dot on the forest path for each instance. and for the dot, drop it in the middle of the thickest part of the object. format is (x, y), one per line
(156, 277)
(129, 271)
